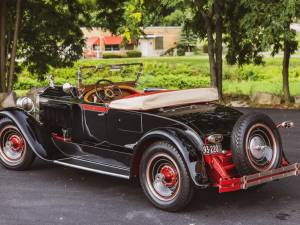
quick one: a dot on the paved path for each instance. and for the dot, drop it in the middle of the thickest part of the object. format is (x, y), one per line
(50, 194)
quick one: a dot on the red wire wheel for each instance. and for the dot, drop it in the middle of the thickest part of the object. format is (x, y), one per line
(12, 145)
(14, 151)
(165, 178)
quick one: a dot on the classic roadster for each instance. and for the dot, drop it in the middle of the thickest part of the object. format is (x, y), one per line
(173, 141)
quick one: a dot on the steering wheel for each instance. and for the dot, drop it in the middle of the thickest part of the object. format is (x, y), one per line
(107, 90)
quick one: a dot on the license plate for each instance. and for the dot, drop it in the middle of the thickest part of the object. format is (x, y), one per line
(212, 149)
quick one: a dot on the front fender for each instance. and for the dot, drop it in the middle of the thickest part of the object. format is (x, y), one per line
(188, 143)
(34, 133)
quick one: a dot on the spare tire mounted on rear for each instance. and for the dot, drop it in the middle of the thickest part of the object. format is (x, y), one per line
(256, 144)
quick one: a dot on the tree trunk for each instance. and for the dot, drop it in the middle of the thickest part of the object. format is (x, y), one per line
(211, 42)
(219, 48)
(211, 54)
(285, 72)
(2, 45)
(14, 46)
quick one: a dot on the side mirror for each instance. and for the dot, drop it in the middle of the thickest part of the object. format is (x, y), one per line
(67, 88)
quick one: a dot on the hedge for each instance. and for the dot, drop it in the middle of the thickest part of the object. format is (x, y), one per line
(134, 54)
(111, 55)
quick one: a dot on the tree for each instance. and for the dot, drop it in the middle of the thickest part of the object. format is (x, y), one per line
(2, 45)
(163, 12)
(131, 29)
(264, 25)
(206, 21)
(188, 40)
(108, 14)
(45, 33)
(176, 18)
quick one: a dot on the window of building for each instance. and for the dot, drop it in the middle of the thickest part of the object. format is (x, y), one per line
(96, 47)
(159, 43)
(112, 47)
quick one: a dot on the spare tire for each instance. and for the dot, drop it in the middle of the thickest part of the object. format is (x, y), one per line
(256, 144)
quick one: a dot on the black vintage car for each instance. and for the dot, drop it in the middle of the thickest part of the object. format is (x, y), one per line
(172, 141)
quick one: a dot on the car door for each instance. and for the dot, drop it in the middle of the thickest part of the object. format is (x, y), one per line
(98, 145)
(125, 127)
(95, 117)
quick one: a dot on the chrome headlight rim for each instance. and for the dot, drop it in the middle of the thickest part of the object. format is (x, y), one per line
(26, 104)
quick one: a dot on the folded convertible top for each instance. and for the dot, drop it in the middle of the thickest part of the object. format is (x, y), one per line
(166, 99)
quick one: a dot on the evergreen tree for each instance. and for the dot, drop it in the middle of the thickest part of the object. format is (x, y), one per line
(188, 40)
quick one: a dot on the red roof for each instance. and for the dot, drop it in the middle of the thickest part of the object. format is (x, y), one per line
(113, 40)
(93, 41)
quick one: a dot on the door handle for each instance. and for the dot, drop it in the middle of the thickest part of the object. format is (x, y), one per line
(101, 114)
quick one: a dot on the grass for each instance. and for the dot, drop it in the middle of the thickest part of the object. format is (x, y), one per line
(298, 37)
(186, 72)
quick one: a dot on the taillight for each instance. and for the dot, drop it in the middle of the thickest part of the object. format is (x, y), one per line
(215, 138)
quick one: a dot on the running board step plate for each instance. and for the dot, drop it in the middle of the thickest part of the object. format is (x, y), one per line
(95, 167)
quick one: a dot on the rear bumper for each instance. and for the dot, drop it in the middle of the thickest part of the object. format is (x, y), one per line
(245, 182)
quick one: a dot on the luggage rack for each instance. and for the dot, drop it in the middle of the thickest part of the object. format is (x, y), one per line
(245, 182)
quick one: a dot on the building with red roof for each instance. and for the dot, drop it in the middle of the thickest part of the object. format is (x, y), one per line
(155, 42)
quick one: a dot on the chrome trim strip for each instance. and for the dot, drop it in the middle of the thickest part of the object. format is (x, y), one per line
(91, 170)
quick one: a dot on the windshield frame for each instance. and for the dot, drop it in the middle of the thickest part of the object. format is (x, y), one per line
(110, 66)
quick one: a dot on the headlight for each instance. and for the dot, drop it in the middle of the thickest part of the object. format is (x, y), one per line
(26, 104)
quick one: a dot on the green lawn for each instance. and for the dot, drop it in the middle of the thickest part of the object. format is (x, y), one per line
(186, 72)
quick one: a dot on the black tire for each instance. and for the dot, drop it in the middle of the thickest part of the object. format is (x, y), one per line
(173, 178)
(256, 144)
(15, 153)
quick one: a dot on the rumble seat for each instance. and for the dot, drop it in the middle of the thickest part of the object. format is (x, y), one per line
(165, 99)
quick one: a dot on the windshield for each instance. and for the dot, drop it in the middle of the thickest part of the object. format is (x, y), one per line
(129, 72)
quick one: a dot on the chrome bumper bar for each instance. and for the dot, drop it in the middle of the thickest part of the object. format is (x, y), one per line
(268, 176)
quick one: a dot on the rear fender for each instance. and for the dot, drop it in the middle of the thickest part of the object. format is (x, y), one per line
(34, 133)
(188, 143)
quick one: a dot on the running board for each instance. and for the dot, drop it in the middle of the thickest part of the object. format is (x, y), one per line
(94, 167)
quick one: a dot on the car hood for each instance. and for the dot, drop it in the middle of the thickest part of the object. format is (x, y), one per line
(206, 119)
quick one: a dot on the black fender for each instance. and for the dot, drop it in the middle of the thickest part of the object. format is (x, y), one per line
(34, 133)
(188, 143)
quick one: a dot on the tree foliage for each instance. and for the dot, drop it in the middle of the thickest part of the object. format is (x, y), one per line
(49, 33)
(246, 27)
(188, 39)
(262, 25)
(202, 17)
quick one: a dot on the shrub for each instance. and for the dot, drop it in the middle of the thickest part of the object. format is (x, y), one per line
(111, 55)
(134, 54)
(26, 83)
(179, 72)
(180, 50)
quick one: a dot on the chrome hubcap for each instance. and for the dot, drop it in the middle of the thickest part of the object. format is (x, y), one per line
(261, 147)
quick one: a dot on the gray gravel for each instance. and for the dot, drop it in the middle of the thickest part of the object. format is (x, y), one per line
(50, 194)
